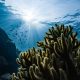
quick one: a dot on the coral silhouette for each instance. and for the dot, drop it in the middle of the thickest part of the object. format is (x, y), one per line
(57, 58)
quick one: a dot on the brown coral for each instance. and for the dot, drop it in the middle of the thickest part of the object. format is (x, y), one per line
(58, 57)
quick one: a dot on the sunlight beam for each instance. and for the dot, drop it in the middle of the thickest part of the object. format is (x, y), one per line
(28, 16)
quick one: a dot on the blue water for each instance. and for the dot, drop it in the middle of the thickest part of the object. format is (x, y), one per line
(24, 34)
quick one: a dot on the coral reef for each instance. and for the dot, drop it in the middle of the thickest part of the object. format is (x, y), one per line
(56, 58)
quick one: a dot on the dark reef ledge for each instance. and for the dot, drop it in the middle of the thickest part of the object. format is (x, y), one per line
(8, 54)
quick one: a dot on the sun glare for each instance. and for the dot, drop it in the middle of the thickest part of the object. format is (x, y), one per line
(29, 16)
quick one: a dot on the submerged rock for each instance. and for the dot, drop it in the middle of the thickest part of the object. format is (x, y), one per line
(8, 54)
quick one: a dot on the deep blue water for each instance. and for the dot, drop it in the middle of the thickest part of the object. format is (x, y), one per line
(25, 35)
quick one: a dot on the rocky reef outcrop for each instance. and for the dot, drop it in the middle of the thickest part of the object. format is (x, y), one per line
(8, 54)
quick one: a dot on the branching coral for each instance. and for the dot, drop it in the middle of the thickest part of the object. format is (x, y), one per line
(58, 57)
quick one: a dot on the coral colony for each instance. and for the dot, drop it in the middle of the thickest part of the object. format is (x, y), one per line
(56, 58)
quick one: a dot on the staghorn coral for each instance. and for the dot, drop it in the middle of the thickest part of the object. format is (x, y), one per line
(58, 57)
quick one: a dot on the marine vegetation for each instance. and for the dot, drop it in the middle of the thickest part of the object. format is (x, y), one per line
(56, 58)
